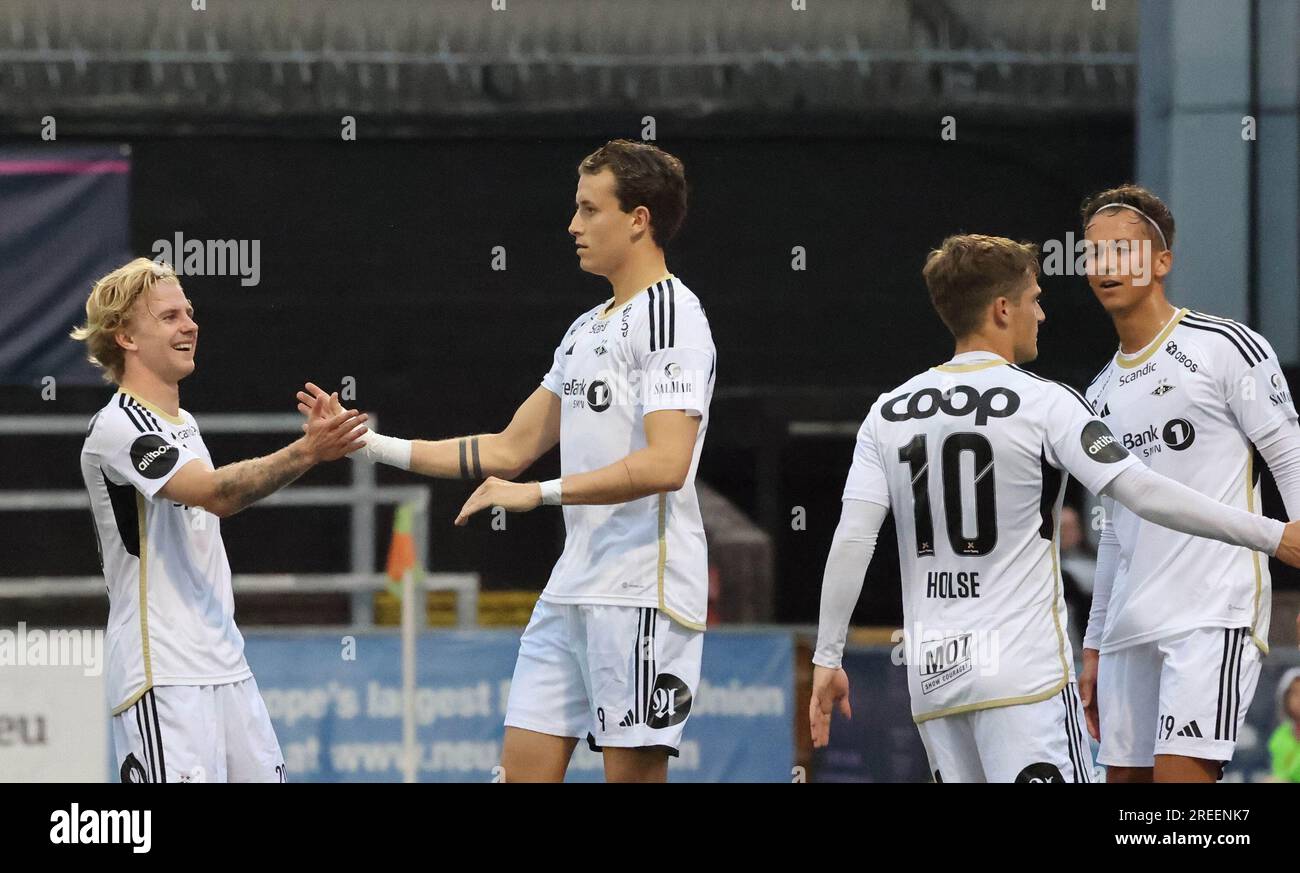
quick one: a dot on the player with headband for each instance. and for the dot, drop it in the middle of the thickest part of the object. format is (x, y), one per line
(1178, 623)
(972, 457)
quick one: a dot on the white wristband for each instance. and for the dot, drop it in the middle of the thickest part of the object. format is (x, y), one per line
(380, 449)
(550, 492)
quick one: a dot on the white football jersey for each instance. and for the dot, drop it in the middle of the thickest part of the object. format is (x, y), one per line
(1189, 406)
(972, 457)
(654, 352)
(171, 612)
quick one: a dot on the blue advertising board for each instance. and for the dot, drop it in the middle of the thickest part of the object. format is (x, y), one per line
(337, 706)
(881, 744)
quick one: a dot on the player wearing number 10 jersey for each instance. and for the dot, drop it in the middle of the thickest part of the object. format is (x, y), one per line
(972, 456)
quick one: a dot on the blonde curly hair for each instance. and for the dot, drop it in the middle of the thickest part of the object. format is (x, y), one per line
(108, 309)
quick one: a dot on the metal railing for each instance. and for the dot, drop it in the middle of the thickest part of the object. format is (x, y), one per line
(361, 495)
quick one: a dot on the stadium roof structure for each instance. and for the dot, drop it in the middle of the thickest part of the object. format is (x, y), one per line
(135, 59)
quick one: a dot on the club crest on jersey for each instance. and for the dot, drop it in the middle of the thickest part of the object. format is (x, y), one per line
(928, 401)
(1162, 388)
(153, 456)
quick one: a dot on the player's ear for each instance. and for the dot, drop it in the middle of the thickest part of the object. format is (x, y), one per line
(640, 222)
(1164, 263)
(125, 340)
(1001, 312)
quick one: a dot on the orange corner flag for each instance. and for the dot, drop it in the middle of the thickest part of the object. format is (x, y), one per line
(401, 550)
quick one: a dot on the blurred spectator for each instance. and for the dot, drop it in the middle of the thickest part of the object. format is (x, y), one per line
(1284, 745)
(1078, 566)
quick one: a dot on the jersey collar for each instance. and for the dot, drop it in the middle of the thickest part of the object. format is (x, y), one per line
(151, 407)
(968, 362)
(601, 313)
(1139, 358)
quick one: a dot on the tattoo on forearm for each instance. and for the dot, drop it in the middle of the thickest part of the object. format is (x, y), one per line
(247, 482)
(466, 453)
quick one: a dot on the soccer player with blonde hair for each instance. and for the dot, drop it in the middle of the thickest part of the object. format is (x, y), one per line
(185, 706)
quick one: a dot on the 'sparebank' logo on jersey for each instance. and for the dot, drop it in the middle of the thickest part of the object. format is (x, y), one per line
(928, 401)
(153, 456)
(1100, 443)
(598, 396)
(1177, 434)
(1138, 374)
(1171, 349)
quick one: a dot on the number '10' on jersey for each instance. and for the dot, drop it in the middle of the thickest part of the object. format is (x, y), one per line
(971, 457)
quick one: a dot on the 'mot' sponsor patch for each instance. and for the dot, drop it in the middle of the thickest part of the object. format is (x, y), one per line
(944, 660)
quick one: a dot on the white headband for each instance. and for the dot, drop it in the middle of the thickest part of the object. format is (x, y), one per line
(1139, 212)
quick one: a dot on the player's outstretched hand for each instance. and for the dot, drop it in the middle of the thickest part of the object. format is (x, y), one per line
(328, 436)
(830, 687)
(1088, 692)
(307, 401)
(511, 496)
(1288, 551)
